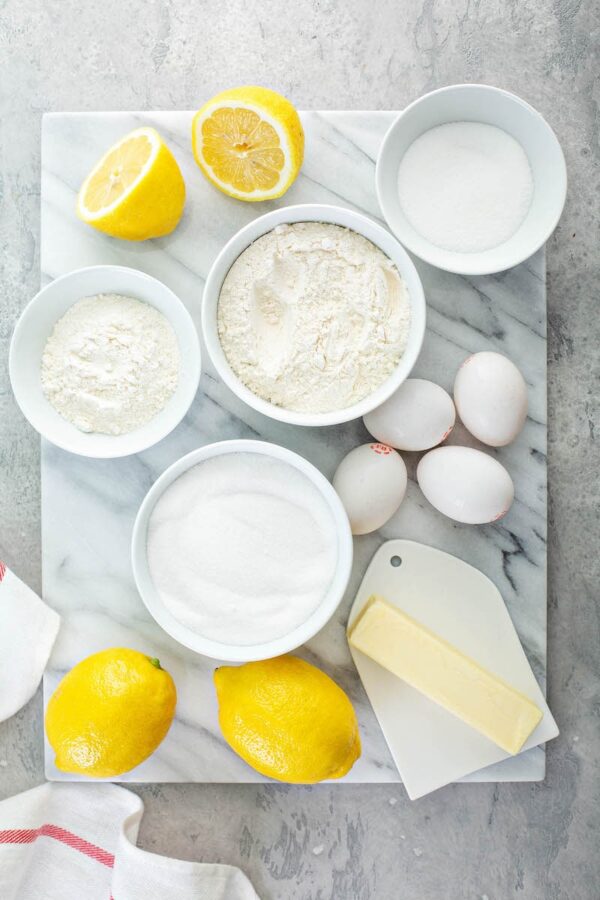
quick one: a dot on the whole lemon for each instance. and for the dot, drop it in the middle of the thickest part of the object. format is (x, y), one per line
(110, 712)
(287, 719)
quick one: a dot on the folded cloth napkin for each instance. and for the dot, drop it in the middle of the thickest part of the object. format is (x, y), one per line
(77, 842)
(28, 629)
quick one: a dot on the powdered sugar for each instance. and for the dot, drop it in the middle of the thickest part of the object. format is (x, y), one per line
(465, 186)
(313, 317)
(110, 364)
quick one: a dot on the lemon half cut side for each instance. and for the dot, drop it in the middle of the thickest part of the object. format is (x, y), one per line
(136, 190)
(249, 143)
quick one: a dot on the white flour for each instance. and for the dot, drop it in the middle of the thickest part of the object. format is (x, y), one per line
(465, 186)
(313, 317)
(110, 364)
(242, 548)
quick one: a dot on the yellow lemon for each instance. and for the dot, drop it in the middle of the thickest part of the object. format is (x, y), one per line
(136, 191)
(287, 719)
(249, 143)
(109, 713)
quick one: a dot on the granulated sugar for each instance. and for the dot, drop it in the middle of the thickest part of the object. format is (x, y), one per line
(242, 548)
(465, 186)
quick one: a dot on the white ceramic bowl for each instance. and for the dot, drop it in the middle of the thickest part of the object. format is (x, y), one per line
(34, 328)
(235, 652)
(492, 106)
(335, 215)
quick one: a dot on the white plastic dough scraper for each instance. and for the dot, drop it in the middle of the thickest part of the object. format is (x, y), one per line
(430, 746)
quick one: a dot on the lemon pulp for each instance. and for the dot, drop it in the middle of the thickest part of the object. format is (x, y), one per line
(118, 170)
(249, 143)
(136, 190)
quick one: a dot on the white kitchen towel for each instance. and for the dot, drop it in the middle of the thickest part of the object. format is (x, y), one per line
(77, 842)
(28, 629)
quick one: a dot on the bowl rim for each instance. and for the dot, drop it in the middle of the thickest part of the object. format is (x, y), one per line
(192, 363)
(236, 652)
(431, 255)
(369, 228)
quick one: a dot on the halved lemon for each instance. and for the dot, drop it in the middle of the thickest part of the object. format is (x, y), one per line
(136, 191)
(249, 143)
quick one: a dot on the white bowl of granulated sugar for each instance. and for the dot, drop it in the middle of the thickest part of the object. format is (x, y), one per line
(313, 314)
(105, 361)
(242, 550)
(471, 179)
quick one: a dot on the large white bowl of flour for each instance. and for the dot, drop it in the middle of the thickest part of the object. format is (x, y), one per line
(313, 314)
(242, 550)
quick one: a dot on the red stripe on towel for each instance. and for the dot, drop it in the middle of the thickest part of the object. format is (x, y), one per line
(29, 835)
(2, 570)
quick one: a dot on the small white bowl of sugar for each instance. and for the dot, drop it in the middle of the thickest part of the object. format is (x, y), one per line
(471, 179)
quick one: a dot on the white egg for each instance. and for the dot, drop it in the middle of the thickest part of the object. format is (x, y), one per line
(491, 398)
(371, 483)
(466, 484)
(419, 415)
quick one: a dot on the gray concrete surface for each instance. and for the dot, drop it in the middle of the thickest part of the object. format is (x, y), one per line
(538, 842)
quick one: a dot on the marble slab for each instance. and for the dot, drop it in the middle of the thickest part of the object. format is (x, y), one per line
(88, 506)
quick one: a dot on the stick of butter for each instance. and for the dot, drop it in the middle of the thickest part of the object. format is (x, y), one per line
(440, 671)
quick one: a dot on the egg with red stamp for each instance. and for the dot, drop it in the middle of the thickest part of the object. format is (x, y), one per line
(371, 483)
(418, 416)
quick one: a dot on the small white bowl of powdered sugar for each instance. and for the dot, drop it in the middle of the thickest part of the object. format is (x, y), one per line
(471, 179)
(242, 550)
(313, 314)
(105, 361)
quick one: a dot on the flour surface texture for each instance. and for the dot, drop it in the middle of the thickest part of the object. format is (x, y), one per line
(313, 317)
(111, 364)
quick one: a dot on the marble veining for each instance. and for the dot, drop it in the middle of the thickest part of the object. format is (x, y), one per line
(88, 506)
